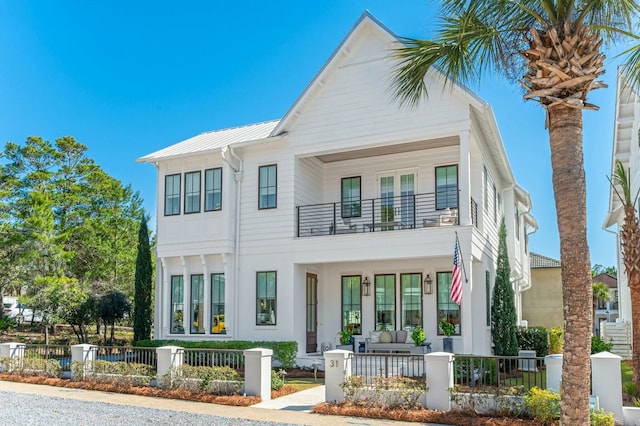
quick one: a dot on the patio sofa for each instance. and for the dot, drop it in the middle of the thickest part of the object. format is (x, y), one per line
(388, 341)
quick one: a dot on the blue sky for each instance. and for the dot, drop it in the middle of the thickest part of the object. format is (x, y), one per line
(127, 78)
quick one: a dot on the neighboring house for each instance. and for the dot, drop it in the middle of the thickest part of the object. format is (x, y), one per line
(606, 311)
(542, 303)
(626, 149)
(344, 213)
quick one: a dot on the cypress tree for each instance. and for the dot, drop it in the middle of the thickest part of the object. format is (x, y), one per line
(503, 309)
(142, 314)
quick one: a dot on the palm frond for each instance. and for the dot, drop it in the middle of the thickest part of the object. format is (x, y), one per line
(621, 179)
(608, 13)
(631, 70)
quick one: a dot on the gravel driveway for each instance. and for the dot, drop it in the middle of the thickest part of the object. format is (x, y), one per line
(27, 409)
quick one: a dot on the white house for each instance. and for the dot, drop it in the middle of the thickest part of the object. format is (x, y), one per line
(626, 149)
(343, 213)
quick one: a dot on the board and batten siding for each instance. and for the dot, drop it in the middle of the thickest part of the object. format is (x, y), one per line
(195, 233)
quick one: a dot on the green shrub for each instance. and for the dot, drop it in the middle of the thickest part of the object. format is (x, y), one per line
(600, 418)
(598, 345)
(6, 323)
(533, 339)
(556, 340)
(216, 380)
(543, 405)
(283, 352)
(31, 366)
(277, 380)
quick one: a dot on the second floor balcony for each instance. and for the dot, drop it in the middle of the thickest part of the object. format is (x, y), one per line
(379, 214)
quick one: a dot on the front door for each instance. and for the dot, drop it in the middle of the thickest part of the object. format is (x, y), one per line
(312, 313)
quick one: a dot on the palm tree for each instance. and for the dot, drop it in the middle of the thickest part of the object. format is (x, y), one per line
(630, 243)
(600, 294)
(554, 48)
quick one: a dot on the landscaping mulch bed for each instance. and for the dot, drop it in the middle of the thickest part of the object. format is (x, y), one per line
(465, 418)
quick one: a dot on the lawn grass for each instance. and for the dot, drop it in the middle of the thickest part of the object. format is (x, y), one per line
(302, 383)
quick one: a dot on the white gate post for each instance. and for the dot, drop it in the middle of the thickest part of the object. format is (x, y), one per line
(257, 374)
(439, 374)
(606, 379)
(337, 368)
(84, 353)
(554, 371)
(168, 357)
(15, 351)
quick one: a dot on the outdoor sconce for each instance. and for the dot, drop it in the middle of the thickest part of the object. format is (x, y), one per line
(427, 284)
(365, 286)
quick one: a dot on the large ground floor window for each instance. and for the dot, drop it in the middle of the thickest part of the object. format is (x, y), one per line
(352, 303)
(447, 308)
(197, 304)
(217, 304)
(177, 304)
(266, 298)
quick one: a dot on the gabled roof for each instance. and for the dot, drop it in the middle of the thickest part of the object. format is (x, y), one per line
(538, 261)
(608, 279)
(211, 141)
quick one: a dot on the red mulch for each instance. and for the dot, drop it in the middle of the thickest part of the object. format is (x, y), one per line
(342, 409)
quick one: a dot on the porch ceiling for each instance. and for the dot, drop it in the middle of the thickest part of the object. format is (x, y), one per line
(389, 149)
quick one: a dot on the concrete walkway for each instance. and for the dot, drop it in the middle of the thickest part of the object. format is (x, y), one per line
(302, 401)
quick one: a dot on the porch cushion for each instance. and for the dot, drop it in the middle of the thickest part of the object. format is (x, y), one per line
(375, 337)
(386, 337)
(409, 339)
(401, 336)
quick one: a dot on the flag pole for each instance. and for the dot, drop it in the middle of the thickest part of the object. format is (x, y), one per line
(466, 280)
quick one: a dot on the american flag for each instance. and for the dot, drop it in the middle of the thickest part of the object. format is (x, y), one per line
(456, 277)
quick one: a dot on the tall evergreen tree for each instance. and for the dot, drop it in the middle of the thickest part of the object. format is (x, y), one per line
(503, 309)
(144, 275)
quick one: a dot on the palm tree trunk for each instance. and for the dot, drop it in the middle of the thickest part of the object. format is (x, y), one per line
(565, 137)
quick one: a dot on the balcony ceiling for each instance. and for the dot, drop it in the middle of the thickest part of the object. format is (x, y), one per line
(389, 149)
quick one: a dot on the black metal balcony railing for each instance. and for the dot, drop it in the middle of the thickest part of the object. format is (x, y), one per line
(379, 214)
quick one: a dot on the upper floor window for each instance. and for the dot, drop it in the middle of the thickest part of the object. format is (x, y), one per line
(267, 187)
(266, 298)
(213, 189)
(171, 195)
(192, 192)
(351, 197)
(446, 187)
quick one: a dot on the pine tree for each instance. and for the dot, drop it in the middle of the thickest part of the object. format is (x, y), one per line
(503, 309)
(143, 284)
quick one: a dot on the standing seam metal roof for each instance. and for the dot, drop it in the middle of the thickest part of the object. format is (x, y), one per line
(213, 140)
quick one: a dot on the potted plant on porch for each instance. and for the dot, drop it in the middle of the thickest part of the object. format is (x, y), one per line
(447, 329)
(346, 339)
(419, 338)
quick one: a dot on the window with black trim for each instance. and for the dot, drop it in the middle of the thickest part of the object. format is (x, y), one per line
(447, 187)
(352, 303)
(267, 186)
(213, 189)
(177, 304)
(447, 308)
(410, 301)
(172, 195)
(197, 304)
(217, 304)
(192, 192)
(266, 298)
(350, 196)
(385, 294)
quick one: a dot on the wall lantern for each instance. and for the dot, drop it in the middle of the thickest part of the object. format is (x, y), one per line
(428, 284)
(365, 287)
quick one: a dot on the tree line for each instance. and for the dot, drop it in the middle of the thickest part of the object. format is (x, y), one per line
(68, 233)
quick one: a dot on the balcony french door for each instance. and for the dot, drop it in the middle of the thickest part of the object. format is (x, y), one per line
(397, 199)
